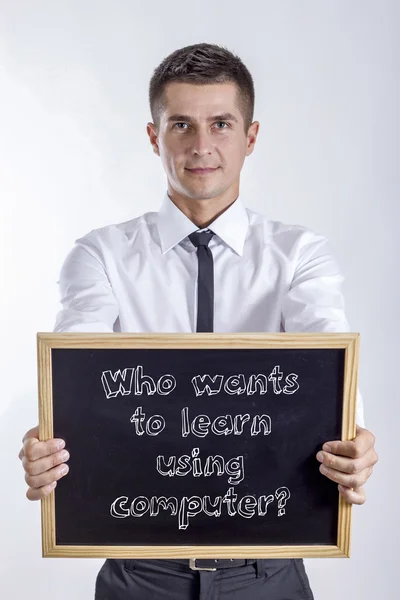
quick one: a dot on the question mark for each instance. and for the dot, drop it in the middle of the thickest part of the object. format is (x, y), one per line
(282, 495)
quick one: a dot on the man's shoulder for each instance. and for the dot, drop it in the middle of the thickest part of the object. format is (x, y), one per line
(274, 230)
(284, 234)
(122, 231)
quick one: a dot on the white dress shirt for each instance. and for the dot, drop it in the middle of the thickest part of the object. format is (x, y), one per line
(141, 276)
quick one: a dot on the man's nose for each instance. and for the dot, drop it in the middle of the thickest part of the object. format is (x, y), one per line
(202, 143)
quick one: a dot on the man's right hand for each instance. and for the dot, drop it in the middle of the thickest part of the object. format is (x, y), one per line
(44, 463)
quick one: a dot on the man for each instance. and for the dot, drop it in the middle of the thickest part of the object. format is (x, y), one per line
(203, 263)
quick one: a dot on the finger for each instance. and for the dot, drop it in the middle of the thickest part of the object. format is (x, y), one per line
(39, 493)
(34, 433)
(43, 465)
(34, 449)
(38, 481)
(348, 465)
(355, 448)
(356, 496)
(352, 481)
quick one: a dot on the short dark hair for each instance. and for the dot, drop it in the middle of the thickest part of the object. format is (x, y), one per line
(201, 64)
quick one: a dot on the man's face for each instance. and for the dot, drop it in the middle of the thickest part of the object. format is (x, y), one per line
(202, 128)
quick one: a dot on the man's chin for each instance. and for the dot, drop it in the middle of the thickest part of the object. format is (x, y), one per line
(198, 194)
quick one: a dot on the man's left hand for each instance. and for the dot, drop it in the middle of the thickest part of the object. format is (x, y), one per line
(350, 464)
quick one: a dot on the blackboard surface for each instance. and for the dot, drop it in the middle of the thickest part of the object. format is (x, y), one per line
(109, 460)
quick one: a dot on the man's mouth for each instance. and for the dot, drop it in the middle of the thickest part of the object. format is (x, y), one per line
(202, 171)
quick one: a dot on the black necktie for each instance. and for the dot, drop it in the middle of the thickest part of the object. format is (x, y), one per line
(205, 280)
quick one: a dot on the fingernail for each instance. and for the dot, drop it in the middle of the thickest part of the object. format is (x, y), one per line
(326, 448)
(323, 469)
(64, 469)
(320, 456)
(65, 455)
(60, 444)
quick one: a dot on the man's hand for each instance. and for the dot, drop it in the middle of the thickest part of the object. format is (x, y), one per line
(350, 464)
(41, 461)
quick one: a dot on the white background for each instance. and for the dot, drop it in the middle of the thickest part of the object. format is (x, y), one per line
(75, 155)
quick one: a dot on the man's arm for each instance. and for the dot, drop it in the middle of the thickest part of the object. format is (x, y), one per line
(88, 305)
(315, 303)
(87, 299)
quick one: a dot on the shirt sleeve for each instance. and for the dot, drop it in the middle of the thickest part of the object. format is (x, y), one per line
(314, 301)
(87, 299)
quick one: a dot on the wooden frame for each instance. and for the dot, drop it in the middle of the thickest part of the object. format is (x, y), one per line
(47, 341)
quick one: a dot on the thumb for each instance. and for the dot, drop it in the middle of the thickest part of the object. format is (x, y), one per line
(32, 433)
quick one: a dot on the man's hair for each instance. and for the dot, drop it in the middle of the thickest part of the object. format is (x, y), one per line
(202, 64)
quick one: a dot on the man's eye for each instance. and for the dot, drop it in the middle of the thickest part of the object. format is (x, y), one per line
(181, 123)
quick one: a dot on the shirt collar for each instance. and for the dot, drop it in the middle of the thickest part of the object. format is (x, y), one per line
(231, 226)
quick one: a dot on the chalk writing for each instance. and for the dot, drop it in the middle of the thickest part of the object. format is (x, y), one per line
(185, 464)
(201, 425)
(121, 382)
(133, 380)
(189, 507)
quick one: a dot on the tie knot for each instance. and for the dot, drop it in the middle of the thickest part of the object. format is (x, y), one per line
(201, 238)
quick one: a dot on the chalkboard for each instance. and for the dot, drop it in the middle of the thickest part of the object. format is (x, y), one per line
(196, 445)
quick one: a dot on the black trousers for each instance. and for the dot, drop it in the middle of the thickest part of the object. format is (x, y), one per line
(269, 579)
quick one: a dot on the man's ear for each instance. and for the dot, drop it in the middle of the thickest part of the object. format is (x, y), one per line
(252, 137)
(153, 135)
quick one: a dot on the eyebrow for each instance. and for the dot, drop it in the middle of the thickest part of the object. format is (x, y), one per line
(224, 117)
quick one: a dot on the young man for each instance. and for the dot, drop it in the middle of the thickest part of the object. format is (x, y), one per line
(262, 275)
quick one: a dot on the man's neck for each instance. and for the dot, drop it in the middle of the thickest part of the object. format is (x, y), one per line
(202, 212)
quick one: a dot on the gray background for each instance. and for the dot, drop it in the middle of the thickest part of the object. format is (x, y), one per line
(75, 155)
